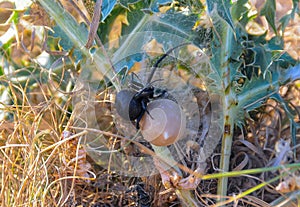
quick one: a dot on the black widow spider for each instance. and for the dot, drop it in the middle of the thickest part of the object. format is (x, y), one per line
(132, 105)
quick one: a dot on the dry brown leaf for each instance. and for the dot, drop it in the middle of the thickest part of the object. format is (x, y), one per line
(136, 67)
(72, 10)
(5, 10)
(153, 48)
(75, 160)
(289, 184)
(38, 16)
(116, 30)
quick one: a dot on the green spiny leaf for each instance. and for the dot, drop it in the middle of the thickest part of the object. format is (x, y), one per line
(269, 11)
(222, 7)
(288, 17)
(290, 114)
(107, 7)
(65, 43)
(126, 3)
(253, 93)
(239, 12)
(262, 58)
(285, 21)
(295, 7)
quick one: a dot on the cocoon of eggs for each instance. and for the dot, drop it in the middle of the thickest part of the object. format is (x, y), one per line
(165, 124)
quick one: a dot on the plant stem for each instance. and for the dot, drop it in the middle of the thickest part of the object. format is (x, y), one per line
(229, 114)
(186, 198)
(225, 153)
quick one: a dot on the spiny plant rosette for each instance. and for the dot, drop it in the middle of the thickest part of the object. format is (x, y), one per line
(182, 108)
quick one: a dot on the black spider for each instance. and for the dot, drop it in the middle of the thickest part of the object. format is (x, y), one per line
(132, 105)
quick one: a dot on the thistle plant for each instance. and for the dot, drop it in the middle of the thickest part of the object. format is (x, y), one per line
(240, 72)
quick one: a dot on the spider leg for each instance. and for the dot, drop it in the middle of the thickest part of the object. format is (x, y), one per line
(161, 94)
(138, 120)
(135, 84)
(144, 107)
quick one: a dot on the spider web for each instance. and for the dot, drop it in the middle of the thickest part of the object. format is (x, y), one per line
(186, 74)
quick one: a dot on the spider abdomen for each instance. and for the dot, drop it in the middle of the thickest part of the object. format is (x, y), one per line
(135, 109)
(127, 106)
